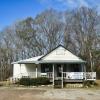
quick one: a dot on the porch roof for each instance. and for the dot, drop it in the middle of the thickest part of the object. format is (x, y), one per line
(30, 60)
(27, 61)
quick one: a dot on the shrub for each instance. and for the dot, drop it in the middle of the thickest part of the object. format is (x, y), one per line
(25, 81)
(89, 83)
(42, 81)
(34, 81)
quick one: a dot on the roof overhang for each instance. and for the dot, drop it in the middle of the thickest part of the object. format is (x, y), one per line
(33, 60)
(58, 61)
(29, 62)
(49, 61)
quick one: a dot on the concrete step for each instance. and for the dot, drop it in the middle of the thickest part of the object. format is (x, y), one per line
(74, 85)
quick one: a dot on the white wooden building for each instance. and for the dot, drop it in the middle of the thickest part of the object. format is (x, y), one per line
(57, 64)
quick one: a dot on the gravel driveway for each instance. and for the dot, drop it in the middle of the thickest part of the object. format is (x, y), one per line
(48, 94)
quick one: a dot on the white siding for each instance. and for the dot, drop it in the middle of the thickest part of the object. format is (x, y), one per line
(16, 70)
(24, 70)
(61, 54)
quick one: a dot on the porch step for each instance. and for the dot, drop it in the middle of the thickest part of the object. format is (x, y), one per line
(74, 85)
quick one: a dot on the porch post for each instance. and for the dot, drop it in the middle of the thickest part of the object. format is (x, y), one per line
(53, 76)
(20, 71)
(36, 71)
(84, 70)
(62, 76)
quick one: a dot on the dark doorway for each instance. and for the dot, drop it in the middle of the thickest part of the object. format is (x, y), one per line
(58, 66)
(76, 68)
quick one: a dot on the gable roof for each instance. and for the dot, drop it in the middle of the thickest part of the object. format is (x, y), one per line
(51, 51)
(58, 55)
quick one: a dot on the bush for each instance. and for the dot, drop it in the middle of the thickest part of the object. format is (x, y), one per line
(34, 81)
(25, 81)
(89, 83)
(42, 81)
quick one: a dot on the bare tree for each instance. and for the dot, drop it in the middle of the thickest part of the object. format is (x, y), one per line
(83, 32)
(41, 34)
(49, 28)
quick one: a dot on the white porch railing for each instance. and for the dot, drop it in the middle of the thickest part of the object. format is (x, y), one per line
(48, 75)
(90, 75)
(66, 75)
(76, 75)
(80, 75)
(32, 74)
(27, 74)
(73, 75)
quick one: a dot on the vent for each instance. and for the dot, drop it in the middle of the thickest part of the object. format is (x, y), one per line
(60, 52)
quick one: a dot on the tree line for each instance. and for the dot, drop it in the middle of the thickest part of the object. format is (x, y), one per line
(78, 30)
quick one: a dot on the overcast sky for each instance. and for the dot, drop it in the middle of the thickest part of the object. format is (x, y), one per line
(14, 10)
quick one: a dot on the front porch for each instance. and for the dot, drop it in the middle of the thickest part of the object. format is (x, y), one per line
(66, 76)
(63, 73)
(72, 76)
(75, 71)
(67, 72)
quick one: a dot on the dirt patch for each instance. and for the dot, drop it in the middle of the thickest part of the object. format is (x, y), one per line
(48, 94)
